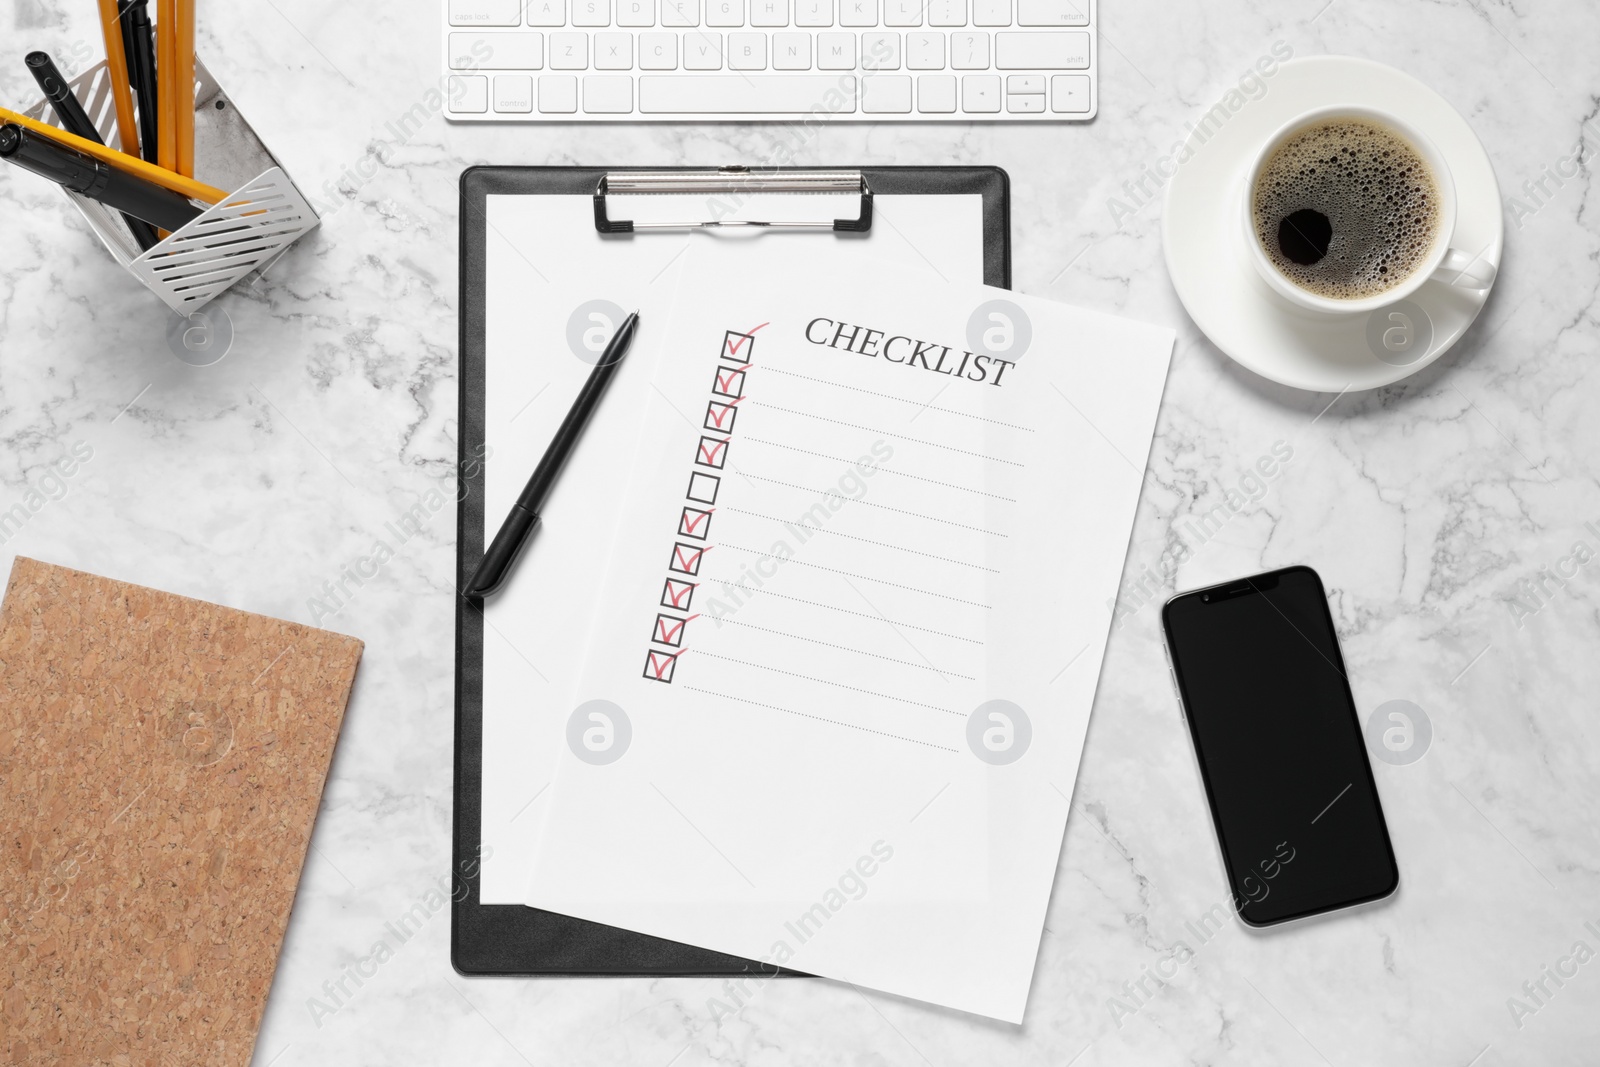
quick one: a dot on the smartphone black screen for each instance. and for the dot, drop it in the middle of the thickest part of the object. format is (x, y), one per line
(1258, 670)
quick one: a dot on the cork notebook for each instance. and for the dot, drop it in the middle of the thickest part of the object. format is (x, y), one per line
(161, 764)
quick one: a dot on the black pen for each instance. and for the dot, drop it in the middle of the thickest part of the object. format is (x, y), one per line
(89, 177)
(74, 119)
(507, 544)
(140, 44)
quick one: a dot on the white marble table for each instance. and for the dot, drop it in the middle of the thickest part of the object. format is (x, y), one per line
(1444, 514)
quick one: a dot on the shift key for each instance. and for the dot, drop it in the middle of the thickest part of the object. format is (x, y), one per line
(1041, 51)
(485, 12)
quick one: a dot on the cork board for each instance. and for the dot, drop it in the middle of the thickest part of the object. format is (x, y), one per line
(161, 764)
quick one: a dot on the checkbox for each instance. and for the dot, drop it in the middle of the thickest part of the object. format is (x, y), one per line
(669, 629)
(738, 347)
(678, 595)
(660, 666)
(686, 559)
(713, 452)
(730, 382)
(694, 522)
(703, 488)
(720, 416)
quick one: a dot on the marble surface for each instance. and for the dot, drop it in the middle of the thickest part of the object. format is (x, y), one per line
(1446, 514)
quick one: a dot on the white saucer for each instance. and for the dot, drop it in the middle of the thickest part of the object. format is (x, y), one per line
(1218, 284)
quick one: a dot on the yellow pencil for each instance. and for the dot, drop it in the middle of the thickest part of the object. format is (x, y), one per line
(117, 71)
(167, 84)
(185, 94)
(167, 179)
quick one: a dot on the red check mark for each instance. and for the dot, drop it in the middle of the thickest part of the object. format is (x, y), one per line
(660, 664)
(726, 412)
(671, 635)
(709, 454)
(691, 525)
(678, 592)
(734, 348)
(689, 563)
(726, 382)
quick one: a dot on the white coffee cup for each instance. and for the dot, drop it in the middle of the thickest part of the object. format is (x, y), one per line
(1444, 263)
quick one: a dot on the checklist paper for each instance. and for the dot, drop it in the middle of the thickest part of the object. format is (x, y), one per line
(847, 645)
(554, 290)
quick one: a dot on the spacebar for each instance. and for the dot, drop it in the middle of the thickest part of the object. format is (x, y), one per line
(769, 94)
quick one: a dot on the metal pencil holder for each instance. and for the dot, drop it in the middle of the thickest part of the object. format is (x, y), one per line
(249, 229)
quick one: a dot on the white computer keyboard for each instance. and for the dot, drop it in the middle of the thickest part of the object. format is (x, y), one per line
(777, 60)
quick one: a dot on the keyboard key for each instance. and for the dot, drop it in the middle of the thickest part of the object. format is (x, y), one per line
(991, 12)
(513, 94)
(469, 94)
(1031, 104)
(547, 12)
(813, 12)
(1025, 83)
(886, 94)
(558, 94)
(980, 93)
(658, 51)
(591, 12)
(702, 51)
(791, 51)
(636, 13)
(902, 12)
(924, 51)
(1052, 12)
(1042, 51)
(612, 51)
(485, 13)
(747, 51)
(881, 50)
(858, 12)
(724, 12)
(607, 94)
(836, 51)
(969, 51)
(1069, 94)
(569, 51)
(936, 94)
(736, 94)
(680, 12)
(497, 51)
(769, 13)
(947, 12)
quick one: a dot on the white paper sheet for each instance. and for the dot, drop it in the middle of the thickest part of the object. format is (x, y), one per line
(547, 268)
(882, 539)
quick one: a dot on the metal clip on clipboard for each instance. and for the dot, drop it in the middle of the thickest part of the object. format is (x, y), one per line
(730, 180)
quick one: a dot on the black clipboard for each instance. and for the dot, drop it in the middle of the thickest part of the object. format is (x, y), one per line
(509, 939)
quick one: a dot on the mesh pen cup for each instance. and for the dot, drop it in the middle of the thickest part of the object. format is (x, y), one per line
(249, 229)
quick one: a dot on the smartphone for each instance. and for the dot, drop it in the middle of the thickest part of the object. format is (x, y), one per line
(1263, 688)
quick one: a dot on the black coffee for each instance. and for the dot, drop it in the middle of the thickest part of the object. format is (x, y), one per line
(1346, 209)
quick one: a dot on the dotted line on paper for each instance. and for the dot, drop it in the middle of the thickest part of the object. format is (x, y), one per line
(870, 541)
(902, 399)
(879, 429)
(885, 470)
(819, 718)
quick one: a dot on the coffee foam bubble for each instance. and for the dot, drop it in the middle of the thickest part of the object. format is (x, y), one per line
(1372, 186)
